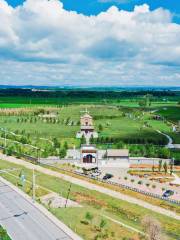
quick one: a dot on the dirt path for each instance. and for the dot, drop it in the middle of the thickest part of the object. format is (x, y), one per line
(92, 186)
(123, 224)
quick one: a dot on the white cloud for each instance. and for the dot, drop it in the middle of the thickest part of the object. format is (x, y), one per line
(114, 1)
(42, 42)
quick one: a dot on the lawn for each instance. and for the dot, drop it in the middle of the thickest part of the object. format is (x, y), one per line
(3, 234)
(131, 126)
(96, 203)
(116, 123)
(170, 113)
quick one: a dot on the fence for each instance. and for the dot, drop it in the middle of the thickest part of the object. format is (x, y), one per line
(118, 184)
(35, 160)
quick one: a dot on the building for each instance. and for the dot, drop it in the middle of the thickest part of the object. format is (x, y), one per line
(87, 124)
(117, 154)
(87, 127)
(89, 154)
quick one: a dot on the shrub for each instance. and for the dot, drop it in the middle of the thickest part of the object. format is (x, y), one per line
(140, 182)
(84, 222)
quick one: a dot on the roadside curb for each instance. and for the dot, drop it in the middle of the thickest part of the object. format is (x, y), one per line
(93, 186)
(45, 212)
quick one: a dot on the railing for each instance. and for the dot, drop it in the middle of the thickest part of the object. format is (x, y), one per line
(117, 184)
(33, 159)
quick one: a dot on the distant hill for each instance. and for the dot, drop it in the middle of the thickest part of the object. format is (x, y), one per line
(125, 88)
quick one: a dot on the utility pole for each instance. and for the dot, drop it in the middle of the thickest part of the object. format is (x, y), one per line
(38, 155)
(69, 190)
(172, 164)
(5, 137)
(34, 186)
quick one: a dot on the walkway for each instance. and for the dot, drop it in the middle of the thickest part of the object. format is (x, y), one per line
(170, 140)
(123, 224)
(92, 186)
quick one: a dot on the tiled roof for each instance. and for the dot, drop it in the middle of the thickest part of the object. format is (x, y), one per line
(117, 153)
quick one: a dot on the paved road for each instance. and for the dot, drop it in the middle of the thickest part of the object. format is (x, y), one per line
(170, 140)
(23, 221)
(92, 186)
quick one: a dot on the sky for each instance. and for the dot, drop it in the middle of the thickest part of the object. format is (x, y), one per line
(90, 42)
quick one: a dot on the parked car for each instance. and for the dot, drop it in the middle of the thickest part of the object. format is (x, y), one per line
(168, 193)
(98, 171)
(107, 176)
(94, 175)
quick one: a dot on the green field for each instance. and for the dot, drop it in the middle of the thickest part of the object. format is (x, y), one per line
(118, 124)
(113, 121)
(118, 118)
(94, 202)
(171, 113)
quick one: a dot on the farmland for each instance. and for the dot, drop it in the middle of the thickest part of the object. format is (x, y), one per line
(44, 124)
(120, 118)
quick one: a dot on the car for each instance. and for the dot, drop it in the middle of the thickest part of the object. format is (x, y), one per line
(146, 175)
(96, 174)
(107, 176)
(98, 171)
(168, 193)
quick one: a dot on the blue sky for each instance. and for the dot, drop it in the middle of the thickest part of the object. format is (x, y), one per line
(89, 7)
(43, 43)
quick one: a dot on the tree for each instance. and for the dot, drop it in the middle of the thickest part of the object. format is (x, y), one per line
(102, 224)
(83, 140)
(152, 228)
(62, 153)
(89, 217)
(142, 103)
(171, 168)
(3, 233)
(120, 144)
(160, 165)
(21, 173)
(56, 143)
(165, 167)
(91, 139)
(100, 127)
(164, 153)
(66, 145)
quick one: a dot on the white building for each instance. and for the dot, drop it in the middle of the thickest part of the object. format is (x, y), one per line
(117, 154)
(89, 154)
(87, 127)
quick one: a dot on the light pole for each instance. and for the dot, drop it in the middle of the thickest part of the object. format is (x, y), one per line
(172, 164)
(69, 190)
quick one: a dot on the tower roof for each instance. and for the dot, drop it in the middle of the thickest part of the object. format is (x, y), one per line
(86, 116)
